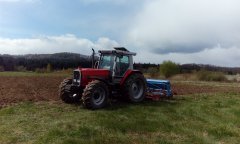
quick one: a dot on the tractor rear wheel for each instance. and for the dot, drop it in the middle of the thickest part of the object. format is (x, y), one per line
(95, 95)
(69, 93)
(135, 87)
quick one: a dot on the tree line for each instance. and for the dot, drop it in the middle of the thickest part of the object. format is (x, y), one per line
(59, 61)
(186, 68)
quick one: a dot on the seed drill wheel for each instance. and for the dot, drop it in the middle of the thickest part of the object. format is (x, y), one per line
(95, 95)
(68, 93)
(135, 87)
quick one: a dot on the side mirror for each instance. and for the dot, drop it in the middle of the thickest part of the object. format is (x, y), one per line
(96, 64)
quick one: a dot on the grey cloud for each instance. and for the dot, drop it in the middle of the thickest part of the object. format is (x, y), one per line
(187, 26)
(169, 47)
(215, 56)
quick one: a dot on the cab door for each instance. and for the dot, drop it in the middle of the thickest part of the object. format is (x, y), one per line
(122, 64)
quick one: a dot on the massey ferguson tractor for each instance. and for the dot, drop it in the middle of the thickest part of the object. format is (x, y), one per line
(111, 75)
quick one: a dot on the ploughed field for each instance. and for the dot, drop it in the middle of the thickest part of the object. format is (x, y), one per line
(199, 113)
(37, 87)
(14, 89)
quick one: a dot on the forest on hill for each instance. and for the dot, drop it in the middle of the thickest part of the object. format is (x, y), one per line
(59, 61)
(31, 62)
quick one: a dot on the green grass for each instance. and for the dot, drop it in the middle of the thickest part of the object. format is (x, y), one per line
(204, 83)
(200, 118)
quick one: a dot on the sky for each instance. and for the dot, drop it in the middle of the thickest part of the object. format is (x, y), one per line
(183, 31)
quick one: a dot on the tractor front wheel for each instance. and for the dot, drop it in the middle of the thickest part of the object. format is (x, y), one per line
(95, 95)
(69, 93)
(135, 87)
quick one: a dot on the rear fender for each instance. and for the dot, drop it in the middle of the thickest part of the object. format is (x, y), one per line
(127, 74)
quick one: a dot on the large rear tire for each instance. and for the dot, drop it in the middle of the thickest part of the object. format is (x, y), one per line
(95, 95)
(135, 87)
(69, 93)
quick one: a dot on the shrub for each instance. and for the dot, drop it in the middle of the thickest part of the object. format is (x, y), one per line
(1, 68)
(40, 70)
(211, 76)
(49, 68)
(169, 68)
(153, 71)
(20, 68)
(66, 71)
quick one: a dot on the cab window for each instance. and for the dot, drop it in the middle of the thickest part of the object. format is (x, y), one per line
(122, 65)
(106, 62)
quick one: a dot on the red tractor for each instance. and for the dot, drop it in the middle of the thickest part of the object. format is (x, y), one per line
(112, 74)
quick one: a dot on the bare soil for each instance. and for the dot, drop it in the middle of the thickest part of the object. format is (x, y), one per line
(45, 88)
(39, 88)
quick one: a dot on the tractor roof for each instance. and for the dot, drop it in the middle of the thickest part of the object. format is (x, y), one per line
(117, 50)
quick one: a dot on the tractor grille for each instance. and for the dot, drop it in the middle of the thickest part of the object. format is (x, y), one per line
(76, 77)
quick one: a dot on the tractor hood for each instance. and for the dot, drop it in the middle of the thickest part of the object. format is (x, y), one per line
(89, 74)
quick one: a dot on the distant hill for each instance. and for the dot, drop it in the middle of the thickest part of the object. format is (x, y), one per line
(187, 68)
(33, 61)
(66, 60)
(197, 67)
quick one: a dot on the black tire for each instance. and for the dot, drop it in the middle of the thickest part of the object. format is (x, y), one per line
(95, 95)
(135, 88)
(69, 93)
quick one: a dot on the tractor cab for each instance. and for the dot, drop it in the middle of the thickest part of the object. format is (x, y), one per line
(117, 61)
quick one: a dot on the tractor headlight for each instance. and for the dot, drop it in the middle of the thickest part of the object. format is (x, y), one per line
(76, 77)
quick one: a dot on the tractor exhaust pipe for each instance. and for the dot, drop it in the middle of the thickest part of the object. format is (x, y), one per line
(93, 55)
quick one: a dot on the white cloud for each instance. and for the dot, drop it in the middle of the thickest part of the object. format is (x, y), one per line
(54, 44)
(215, 56)
(186, 26)
(105, 43)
